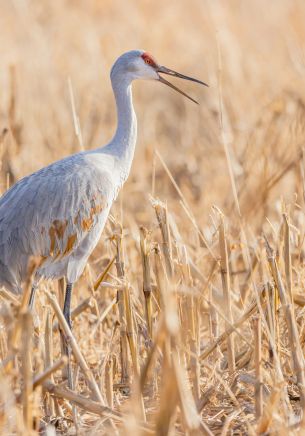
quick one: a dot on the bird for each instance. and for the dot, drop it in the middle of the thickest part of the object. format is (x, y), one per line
(58, 213)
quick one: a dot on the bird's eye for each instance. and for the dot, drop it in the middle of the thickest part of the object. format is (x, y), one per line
(148, 59)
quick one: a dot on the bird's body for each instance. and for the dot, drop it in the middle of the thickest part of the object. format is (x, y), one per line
(58, 213)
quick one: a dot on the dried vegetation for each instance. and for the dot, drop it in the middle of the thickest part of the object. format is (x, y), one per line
(189, 318)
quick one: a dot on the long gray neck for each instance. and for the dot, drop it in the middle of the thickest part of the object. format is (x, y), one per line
(123, 143)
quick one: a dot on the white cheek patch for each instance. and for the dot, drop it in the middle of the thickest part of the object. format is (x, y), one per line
(136, 66)
(132, 68)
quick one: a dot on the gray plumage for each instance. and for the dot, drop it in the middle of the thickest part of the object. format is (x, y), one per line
(58, 213)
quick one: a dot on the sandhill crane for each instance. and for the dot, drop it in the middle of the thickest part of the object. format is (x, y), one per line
(58, 213)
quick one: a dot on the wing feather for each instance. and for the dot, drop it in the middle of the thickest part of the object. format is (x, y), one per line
(49, 212)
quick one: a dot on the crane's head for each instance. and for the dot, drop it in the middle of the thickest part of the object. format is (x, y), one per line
(139, 64)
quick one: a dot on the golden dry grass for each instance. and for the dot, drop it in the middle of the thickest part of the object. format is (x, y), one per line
(212, 220)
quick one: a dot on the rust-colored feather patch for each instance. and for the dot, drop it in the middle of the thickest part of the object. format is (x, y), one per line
(56, 232)
(58, 229)
(70, 244)
(87, 223)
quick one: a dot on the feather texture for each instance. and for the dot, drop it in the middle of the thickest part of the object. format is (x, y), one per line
(51, 213)
(58, 213)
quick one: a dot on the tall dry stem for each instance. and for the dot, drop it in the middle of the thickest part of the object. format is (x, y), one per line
(225, 279)
(294, 341)
(26, 353)
(119, 263)
(147, 290)
(257, 329)
(162, 217)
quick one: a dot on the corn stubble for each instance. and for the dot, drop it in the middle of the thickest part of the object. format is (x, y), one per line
(189, 318)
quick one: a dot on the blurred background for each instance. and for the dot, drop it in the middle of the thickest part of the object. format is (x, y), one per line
(251, 54)
(240, 150)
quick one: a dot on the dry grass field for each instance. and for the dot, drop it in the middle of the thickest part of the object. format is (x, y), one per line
(189, 317)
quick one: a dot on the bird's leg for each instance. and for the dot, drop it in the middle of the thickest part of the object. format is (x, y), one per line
(67, 315)
(67, 304)
(32, 297)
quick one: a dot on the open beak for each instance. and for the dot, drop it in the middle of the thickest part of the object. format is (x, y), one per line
(164, 70)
